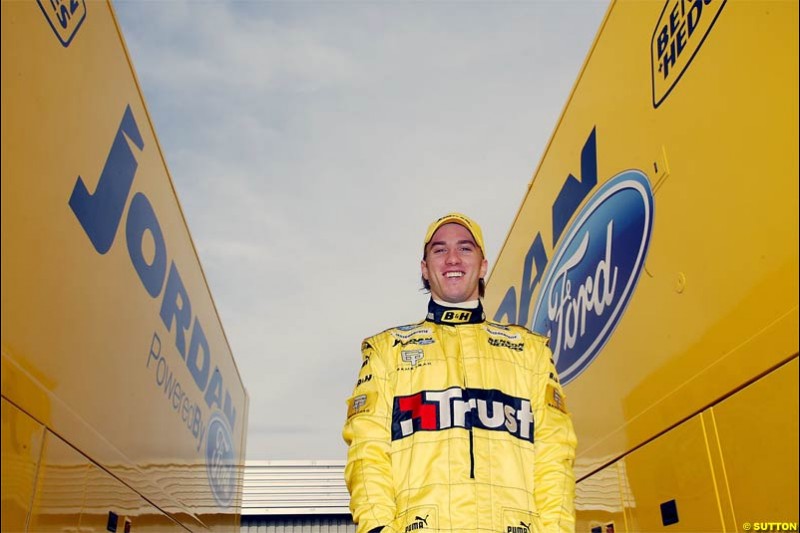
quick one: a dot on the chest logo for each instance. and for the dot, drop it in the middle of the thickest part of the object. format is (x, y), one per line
(412, 356)
(462, 408)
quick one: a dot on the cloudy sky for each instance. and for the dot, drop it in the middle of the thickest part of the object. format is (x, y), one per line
(311, 144)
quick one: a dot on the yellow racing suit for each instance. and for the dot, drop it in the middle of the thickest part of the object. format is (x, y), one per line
(459, 424)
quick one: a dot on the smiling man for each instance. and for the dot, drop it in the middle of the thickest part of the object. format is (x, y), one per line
(453, 265)
(457, 423)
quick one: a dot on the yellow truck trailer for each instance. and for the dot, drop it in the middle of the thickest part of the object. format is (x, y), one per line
(657, 246)
(122, 406)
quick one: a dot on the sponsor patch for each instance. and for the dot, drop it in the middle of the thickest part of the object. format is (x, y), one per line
(361, 404)
(681, 30)
(417, 523)
(65, 18)
(456, 317)
(422, 518)
(462, 408)
(504, 333)
(555, 399)
(502, 343)
(519, 521)
(422, 341)
(408, 327)
(412, 360)
(363, 379)
(397, 335)
(522, 527)
(412, 356)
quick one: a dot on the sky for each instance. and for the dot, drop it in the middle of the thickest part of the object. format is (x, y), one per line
(312, 143)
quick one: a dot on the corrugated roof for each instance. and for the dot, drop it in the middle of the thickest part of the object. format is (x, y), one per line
(294, 487)
(297, 524)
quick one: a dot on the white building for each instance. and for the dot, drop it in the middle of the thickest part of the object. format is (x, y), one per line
(294, 497)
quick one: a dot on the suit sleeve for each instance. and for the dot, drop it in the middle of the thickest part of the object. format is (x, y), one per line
(367, 432)
(554, 447)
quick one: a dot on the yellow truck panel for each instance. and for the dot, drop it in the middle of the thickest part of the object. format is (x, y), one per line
(758, 432)
(111, 341)
(657, 245)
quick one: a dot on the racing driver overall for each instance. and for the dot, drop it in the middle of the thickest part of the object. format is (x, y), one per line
(459, 424)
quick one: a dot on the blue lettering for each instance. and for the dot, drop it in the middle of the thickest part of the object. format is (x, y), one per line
(155, 352)
(694, 15)
(196, 422)
(668, 61)
(140, 219)
(214, 392)
(229, 410)
(176, 304)
(100, 213)
(63, 17)
(673, 20)
(177, 396)
(681, 38)
(214, 398)
(573, 191)
(169, 382)
(536, 256)
(676, 32)
(161, 371)
(198, 341)
(663, 39)
(507, 312)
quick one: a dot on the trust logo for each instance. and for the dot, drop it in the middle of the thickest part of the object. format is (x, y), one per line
(462, 408)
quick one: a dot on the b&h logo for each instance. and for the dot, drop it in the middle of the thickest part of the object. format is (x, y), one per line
(456, 317)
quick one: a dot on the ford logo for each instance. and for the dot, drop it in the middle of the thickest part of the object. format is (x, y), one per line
(594, 271)
(221, 461)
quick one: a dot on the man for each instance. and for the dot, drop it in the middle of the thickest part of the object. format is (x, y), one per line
(457, 423)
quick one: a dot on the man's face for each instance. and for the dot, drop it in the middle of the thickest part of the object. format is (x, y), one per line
(453, 264)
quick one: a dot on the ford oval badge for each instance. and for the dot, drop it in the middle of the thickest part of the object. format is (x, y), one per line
(594, 272)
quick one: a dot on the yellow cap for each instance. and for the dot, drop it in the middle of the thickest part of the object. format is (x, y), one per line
(456, 218)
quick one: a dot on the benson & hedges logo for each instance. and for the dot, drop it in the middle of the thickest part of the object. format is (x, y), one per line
(680, 31)
(65, 17)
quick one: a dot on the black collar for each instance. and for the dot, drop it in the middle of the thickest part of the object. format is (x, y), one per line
(440, 314)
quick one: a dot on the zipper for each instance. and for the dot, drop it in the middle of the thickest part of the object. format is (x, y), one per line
(466, 386)
(471, 457)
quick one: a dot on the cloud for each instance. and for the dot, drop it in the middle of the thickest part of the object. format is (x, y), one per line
(311, 143)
